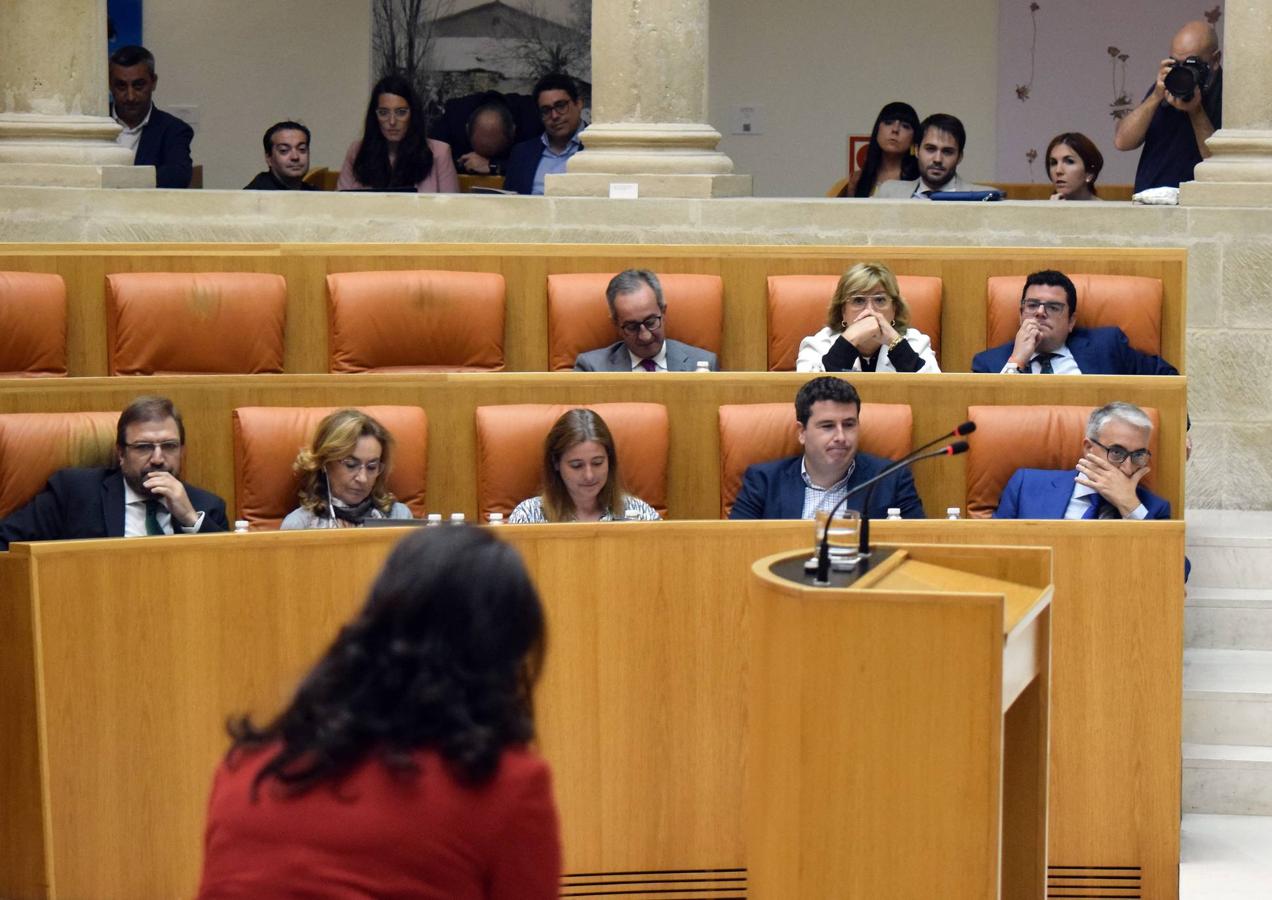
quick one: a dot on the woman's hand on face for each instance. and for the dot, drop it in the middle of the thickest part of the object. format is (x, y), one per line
(887, 333)
(863, 333)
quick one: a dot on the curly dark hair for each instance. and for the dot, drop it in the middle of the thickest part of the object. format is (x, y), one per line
(414, 159)
(443, 655)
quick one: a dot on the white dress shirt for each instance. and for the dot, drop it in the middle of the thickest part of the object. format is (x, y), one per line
(135, 516)
(131, 137)
(1062, 363)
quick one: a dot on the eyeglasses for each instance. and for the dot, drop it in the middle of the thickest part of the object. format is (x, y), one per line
(1052, 307)
(633, 328)
(147, 448)
(383, 113)
(1118, 454)
(878, 301)
(353, 466)
(559, 108)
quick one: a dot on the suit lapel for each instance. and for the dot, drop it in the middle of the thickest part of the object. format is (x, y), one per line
(1057, 499)
(1079, 344)
(113, 504)
(677, 359)
(619, 361)
(792, 493)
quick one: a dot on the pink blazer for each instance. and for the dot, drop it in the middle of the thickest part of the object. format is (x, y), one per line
(442, 178)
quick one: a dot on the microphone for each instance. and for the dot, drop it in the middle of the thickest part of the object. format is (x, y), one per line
(922, 453)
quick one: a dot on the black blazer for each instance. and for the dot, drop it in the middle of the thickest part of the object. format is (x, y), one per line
(165, 144)
(89, 503)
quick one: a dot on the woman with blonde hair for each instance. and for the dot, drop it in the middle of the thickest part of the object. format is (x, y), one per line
(867, 329)
(580, 476)
(344, 474)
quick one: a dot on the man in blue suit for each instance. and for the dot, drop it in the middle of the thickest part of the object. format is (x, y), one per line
(639, 313)
(157, 138)
(1106, 482)
(827, 410)
(1048, 343)
(561, 109)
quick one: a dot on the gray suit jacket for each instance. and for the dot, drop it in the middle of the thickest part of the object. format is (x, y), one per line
(614, 358)
(904, 190)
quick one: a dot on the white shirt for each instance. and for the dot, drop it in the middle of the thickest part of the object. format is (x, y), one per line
(660, 360)
(1062, 363)
(135, 515)
(131, 137)
(1079, 503)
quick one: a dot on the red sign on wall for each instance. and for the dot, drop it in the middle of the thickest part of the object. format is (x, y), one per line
(857, 146)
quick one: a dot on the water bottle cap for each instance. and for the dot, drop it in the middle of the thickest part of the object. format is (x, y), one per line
(457, 517)
(435, 517)
(240, 524)
(495, 517)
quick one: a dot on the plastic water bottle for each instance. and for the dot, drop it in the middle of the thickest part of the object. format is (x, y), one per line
(894, 512)
(952, 512)
(631, 515)
(495, 518)
(240, 526)
(457, 519)
(434, 518)
(702, 366)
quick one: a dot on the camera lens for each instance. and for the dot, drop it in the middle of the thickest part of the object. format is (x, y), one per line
(1181, 81)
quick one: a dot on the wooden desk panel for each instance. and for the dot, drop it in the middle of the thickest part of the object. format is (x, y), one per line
(938, 403)
(141, 648)
(525, 267)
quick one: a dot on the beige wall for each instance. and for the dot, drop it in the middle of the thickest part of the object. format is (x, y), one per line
(822, 68)
(246, 65)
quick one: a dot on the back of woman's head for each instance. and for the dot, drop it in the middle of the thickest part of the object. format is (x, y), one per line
(575, 427)
(891, 112)
(444, 654)
(414, 159)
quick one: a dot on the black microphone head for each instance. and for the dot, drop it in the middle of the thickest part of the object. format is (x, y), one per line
(958, 447)
(965, 428)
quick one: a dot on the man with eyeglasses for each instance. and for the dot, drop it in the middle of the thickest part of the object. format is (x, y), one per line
(142, 494)
(1049, 343)
(561, 109)
(1106, 482)
(639, 314)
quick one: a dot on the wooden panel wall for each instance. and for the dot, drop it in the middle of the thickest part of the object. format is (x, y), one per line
(938, 402)
(526, 267)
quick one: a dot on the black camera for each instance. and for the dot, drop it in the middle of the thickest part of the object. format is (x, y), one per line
(1186, 77)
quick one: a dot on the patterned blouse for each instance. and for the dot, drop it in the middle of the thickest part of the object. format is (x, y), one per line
(530, 512)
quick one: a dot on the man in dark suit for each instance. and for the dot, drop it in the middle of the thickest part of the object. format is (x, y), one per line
(143, 494)
(827, 410)
(1106, 482)
(1047, 342)
(639, 313)
(561, 109)
(157, 138)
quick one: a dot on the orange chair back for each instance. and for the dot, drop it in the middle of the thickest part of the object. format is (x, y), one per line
(1008, 438)
(416, 321)
(32, 324)
(510, 451)
(797, 308)
(35, 445)
(267, 439)
(1131, 302)
(579, 319)
(758, 432)
(182, 323)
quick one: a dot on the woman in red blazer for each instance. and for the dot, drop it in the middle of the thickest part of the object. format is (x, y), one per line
(401, 768)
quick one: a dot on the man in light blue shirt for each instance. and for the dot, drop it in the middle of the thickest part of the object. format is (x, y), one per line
(561, 110)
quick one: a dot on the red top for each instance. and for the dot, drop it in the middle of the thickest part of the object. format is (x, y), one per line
(383, 834)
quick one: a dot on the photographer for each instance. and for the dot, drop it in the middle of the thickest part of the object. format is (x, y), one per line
(1179, 113)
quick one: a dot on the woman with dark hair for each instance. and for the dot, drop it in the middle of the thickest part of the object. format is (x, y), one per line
(344, 474)
(401, 766)
(580, 477)
(890, 155)
(867, 329)
(394, 151)
(1073, 165)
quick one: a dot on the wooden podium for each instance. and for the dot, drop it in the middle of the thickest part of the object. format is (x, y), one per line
(898, 740)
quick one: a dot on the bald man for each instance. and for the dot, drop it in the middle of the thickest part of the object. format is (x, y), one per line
(1171, 128)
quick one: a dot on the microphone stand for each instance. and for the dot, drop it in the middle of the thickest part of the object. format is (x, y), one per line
(823, 552)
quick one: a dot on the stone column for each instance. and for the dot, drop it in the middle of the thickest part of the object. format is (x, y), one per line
(55, 127)
(649, 106)
(1239, 173)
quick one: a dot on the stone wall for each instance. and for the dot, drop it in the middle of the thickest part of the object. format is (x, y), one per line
(1229, 263)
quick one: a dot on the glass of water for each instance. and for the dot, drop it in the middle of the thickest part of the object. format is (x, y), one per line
(845, 531)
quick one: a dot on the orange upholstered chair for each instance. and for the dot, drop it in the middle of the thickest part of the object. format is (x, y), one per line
(1130, 302)
(757, 432)
(32, 324)
(510, 451)
(35, 445)
(267, 439)
(416, 321)
(579, 319)
(181, 323)
(1008, 438)
(797, 308)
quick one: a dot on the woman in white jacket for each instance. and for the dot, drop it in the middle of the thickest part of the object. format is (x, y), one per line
(867, 329)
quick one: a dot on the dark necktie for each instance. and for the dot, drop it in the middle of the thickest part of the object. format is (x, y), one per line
(649, 365)
(1044, 363)
(1100, 508)
(152, 517)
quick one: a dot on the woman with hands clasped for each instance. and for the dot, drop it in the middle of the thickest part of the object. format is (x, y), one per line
(867, 329)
